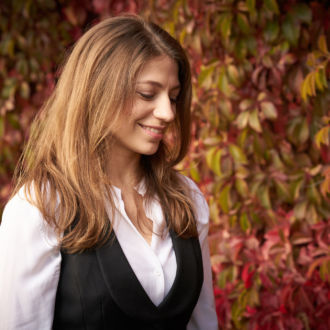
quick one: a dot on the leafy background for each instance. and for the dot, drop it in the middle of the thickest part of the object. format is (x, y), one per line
(260, 150)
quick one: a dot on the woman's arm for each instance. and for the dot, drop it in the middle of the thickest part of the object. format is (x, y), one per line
(204, 316)
(29, 268)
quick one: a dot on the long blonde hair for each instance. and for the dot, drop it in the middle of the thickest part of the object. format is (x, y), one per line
(65, 161)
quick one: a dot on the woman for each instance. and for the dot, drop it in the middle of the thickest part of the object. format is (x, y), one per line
(101, 232)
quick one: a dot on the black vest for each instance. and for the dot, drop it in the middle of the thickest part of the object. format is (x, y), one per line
(98, 290)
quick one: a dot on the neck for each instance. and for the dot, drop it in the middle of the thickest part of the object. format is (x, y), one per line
(124, 168)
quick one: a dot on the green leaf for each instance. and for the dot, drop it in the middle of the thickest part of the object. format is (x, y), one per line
(272, 6)
(225, 25)
(22, 66)
(269, 110)
(283, 191)
(244, 222)
(9, 88)
(13, 120)
(304, 131)
(243, 23)
(291, 30)
(251, 44)
(302, 12)
(251, 4)
(242, 187)
(223, 83)
(241, 48)
(206, 73)
(313, 194)
(224, 198)
(271, 31)
(254, 122)
(25, 90)
(237, 154)
(295, 188)
(2, 126)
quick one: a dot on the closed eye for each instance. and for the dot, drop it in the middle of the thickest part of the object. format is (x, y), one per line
(146, 96)
(174, 100)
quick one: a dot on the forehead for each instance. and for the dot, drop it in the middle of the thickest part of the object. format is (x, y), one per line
(162, 69)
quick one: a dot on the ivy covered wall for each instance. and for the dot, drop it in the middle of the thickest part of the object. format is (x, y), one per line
(260, 150)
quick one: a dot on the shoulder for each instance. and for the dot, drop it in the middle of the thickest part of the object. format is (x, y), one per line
(20, 206)
(200, 204)
(21, 215)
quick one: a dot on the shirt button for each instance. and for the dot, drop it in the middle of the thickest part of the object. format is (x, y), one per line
(157, 273)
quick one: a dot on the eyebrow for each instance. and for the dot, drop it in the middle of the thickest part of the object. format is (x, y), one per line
(157, 84)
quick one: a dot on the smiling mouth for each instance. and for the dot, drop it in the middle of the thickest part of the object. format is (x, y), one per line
(152, 131)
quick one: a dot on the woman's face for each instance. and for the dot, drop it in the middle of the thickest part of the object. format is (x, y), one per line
(141, 129)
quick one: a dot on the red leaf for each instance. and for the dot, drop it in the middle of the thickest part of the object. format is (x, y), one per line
(247, 276)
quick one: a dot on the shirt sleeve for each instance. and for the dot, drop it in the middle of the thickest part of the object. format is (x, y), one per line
(204, 316)
(29, 268)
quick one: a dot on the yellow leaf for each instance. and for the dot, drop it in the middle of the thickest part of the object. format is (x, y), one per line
(306, 88)
(245, 104)
(242, 187)
(261, 96)
(323, 77)
(2, 126)
(269, 110)
(237, 154)
(213, 158)
(233, 74)
(214, 211)
(300, 210)
(322, 136)
(242, 119)
(263, 194)
(312, 83)
(318, 80)
(195, 174)
(254, 122)
(322, 43)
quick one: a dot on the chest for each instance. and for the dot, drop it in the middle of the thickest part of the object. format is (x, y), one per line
(98, 289)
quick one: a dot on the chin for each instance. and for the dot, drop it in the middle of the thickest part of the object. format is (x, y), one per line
(149, 152)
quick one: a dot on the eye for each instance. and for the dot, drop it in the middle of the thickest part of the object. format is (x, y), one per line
(146, 96)
(173, 100)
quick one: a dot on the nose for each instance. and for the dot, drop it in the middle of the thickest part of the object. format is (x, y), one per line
(165, 109)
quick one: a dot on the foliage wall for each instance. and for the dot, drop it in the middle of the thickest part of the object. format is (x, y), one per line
(260, 150)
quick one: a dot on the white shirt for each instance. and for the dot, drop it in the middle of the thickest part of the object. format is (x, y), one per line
(30, 262)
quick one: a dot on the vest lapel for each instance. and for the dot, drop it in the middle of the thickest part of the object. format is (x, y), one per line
(127, 291)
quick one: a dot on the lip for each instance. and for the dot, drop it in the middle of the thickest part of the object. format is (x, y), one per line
(156, 132)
